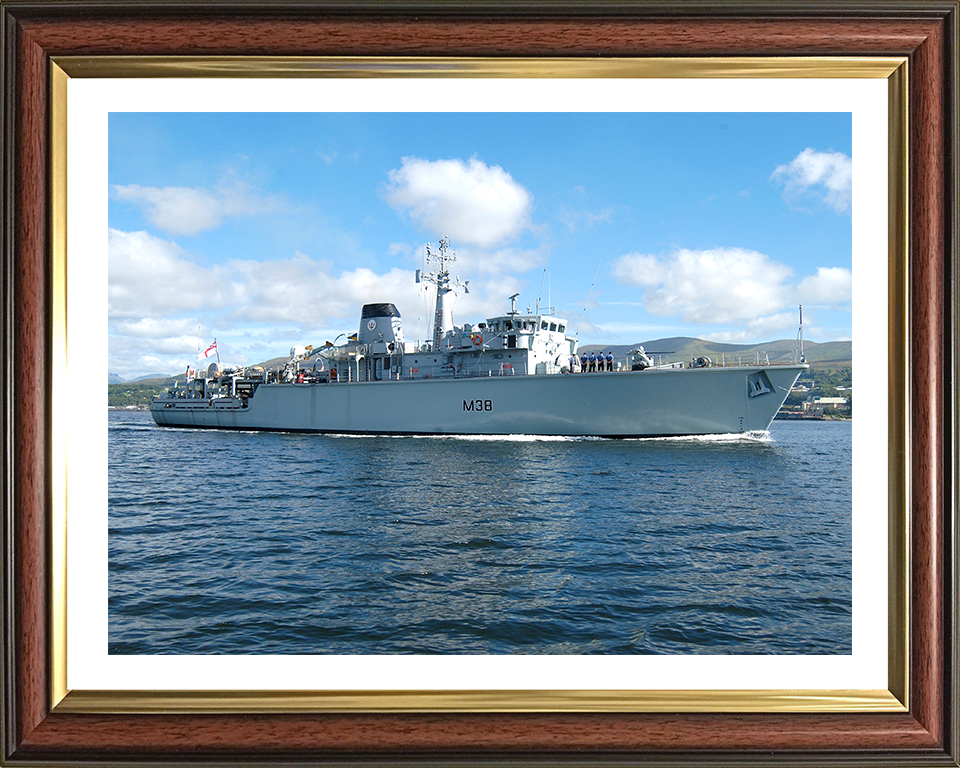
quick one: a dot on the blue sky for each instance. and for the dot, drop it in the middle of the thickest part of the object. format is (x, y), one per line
(278, 227)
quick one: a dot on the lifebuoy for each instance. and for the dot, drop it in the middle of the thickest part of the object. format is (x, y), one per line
(478, 340)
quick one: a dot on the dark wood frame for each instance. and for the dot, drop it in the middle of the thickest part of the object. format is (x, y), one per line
(925, 32)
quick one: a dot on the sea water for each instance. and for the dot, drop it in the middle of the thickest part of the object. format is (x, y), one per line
(271, 543)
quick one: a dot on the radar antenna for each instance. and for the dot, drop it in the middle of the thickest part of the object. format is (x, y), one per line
(440, 277)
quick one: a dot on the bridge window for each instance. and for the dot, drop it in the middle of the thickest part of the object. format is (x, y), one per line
(562, 328)
(553, 326)
(543, 325)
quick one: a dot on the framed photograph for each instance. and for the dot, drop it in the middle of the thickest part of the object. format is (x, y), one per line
(88, 87)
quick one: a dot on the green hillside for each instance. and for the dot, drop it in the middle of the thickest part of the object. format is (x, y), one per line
(128, 394)
(828, 355)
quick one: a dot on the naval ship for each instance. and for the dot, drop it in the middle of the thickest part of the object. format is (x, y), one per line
(517, 373)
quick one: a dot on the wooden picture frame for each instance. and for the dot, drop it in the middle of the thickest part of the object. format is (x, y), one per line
(39, 730)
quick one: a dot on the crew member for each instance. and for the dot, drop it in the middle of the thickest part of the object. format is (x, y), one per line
(610, 361)
(593, 362)
(583, 363)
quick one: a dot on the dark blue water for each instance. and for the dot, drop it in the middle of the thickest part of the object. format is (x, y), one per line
(268, 543)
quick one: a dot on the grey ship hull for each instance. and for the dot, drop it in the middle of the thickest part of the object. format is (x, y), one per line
(655, 402)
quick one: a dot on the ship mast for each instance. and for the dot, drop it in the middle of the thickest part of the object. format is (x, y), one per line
(443, 315)
(800, 333)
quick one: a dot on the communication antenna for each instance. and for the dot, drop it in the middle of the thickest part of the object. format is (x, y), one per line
(543, 275)
(577, 335)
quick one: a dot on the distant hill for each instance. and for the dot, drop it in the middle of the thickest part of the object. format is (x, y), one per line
(137, 393)
(274, 362)
(830, 354)
(116, 378)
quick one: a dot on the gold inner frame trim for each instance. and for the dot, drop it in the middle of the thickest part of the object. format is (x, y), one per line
(898, 414)
(893, 69)
(233, 702)
(60, 405)
(430, 67)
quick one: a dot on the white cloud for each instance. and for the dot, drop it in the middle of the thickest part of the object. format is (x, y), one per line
(256, 309)
(730, 286)
(827, 175)
(831, 285)
(304, 292)
(478, 262)
(152, 277)
(640, 269)
(470, 201)
(769, 327)
(721, 285)
(189, 211)
(152, 327)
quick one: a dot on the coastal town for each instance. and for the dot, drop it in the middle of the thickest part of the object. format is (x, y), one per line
(808, 400)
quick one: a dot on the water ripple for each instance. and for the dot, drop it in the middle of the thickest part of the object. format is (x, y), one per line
(272, 543)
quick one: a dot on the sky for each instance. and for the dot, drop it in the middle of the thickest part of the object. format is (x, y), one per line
(266, 230)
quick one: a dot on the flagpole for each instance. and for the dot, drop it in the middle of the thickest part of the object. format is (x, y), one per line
(218, 351)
